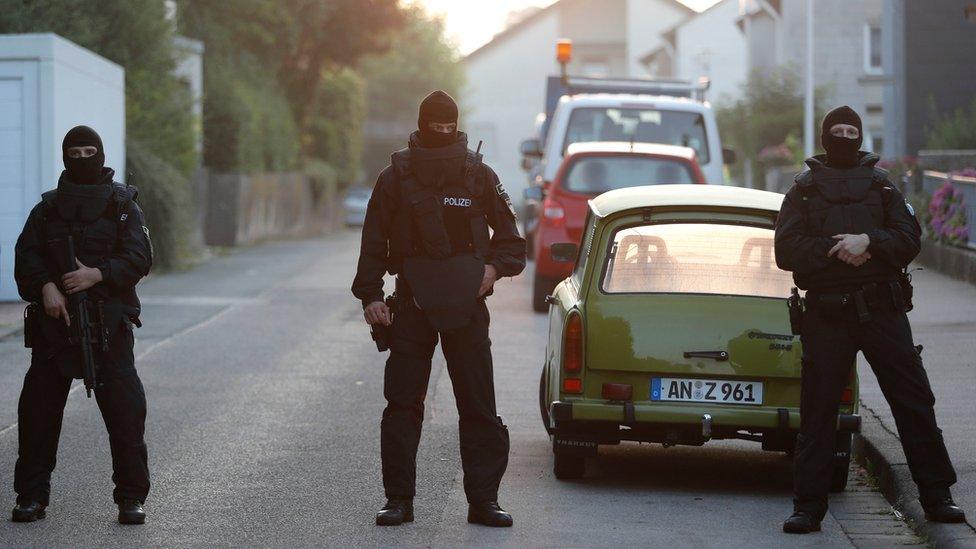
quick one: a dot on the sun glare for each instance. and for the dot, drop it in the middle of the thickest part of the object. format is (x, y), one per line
(472, 23)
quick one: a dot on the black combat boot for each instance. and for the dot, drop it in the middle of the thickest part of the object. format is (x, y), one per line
(801, 522)
(395, 512)
(131, 512)
(489, 514)
(943, 510)
(28, 511)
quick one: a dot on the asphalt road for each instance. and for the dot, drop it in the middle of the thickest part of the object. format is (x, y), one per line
(265, 394)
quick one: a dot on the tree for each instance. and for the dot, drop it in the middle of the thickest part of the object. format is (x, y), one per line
(769, 114)
(420, 59)
(136, 35)
(299, 53)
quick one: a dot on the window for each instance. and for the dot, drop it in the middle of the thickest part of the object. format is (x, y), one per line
(872, 49)
(683, 128)
(599, 174)
(695, 258)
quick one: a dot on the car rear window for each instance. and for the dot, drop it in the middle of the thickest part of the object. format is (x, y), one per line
(695, 258)
(599, 174)
(632, 124)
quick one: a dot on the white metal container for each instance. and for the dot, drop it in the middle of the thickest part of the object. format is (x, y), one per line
(47, 86)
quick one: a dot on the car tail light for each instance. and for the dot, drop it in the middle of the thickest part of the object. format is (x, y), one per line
(573, 348)
(572, 385)
(553, 212)
(618, 391)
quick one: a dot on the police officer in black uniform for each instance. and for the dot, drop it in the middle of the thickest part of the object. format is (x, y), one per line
(112, 252)
(428, 223)
(847, 234)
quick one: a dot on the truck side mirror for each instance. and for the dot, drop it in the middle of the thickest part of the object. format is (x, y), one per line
(564, 252)
(534, 193)
(531, 148)
(728, 156)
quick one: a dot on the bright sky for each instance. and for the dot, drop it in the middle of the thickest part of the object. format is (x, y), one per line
(472, 23)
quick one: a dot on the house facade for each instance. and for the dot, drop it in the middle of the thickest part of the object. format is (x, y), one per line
(848, 57)
(929, 55)
(706, 44)
(507, 77)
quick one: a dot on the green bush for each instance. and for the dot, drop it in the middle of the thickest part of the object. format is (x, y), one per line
(166, 198)
(336, 129)
(953, 131)
(769, 114)
(248, 125)
(136, 35)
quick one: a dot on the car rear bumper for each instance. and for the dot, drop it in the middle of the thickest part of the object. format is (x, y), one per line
(651, 422)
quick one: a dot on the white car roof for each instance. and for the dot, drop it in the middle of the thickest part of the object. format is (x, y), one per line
(704, 196)
(619, 100)
(624, 147)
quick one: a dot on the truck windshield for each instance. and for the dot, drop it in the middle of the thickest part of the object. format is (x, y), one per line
(686, 129)
(599, 174)
(695, 258)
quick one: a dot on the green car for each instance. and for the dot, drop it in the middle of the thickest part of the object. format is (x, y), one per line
(674, 328)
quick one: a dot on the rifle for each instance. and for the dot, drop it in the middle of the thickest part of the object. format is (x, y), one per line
(81, 329)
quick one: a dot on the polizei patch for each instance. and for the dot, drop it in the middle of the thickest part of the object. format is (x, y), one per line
(457, 202)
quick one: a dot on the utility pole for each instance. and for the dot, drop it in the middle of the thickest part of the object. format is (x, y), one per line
(808, 106)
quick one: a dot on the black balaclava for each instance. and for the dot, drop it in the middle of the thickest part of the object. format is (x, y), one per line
(441, 108)
(842, 152)
(84, 171)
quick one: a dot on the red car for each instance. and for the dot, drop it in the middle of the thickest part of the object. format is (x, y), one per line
(588, 170)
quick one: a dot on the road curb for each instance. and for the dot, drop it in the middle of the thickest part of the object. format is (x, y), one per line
(879, 450)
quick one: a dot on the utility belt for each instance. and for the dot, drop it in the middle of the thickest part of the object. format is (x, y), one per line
(892, 295)
(870, 297)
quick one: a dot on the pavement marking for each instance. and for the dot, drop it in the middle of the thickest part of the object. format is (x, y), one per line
(194, 300)
(232, 304)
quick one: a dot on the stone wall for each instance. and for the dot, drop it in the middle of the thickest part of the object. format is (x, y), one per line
(242, 209)
(958, 263)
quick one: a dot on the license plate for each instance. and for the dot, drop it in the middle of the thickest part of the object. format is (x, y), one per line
(721, 391)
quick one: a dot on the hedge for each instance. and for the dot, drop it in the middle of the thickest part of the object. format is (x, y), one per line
(166, 198)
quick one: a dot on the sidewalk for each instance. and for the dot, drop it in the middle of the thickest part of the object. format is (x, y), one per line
(944, 322)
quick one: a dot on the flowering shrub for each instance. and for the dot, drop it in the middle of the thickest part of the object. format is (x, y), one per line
(947, 211)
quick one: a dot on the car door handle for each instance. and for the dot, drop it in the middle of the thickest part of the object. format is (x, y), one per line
(715, 355)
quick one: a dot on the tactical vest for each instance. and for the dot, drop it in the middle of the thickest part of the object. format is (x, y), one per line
(844, 201)
(93, 216)
(418, 226)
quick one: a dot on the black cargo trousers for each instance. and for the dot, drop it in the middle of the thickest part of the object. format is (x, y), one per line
(831, 338)
(483, 436)
(122, 403)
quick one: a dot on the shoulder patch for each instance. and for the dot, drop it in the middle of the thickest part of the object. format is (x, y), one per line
(908, 206)
(500, 189)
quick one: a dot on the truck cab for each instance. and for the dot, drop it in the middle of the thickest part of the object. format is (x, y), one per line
(661, 119)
